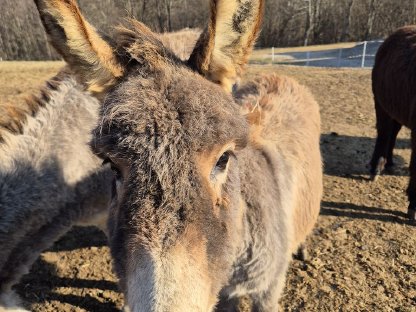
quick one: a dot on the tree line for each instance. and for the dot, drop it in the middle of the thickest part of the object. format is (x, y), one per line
(286, 22)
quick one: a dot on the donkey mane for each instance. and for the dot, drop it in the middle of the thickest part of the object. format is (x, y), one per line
(13, 119)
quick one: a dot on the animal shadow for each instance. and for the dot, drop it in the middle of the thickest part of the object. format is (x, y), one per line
(363, 212)
(38, 287)
(80, 237)
(348, 156)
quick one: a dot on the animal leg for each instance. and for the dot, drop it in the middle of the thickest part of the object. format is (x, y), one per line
(269, 301)
(411, 190)
(385, 128)
(392, 142)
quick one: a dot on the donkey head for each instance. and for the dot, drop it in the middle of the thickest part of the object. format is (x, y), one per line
(172, 133)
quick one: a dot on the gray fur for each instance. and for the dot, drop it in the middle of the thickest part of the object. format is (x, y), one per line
(213, 194)
(49, 180)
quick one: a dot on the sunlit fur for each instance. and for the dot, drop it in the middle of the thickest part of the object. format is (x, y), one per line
(186, 235)
(49, 179)
(289, 121)
(82, 46)
(224, 47)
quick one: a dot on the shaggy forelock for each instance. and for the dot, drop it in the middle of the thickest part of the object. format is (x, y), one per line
(161, 119)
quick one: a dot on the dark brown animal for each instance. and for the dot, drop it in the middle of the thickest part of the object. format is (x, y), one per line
(394, 88)
(212, 193)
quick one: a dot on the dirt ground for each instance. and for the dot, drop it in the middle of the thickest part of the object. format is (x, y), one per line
(362, 252)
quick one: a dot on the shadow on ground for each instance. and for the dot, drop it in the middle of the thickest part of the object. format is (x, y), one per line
(72, 241)
(348, 156)
(363, 212)
(39, 286)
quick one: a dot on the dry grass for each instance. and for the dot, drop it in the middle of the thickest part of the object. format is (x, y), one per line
(19, 79)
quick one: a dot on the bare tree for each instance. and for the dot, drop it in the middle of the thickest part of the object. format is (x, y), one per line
(286, 22)
(370, 21)
(414, 12)
(346, 29)
(313, 10)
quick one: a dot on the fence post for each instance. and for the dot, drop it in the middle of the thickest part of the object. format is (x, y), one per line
(339, 57)
(272, 55)
(364, 54)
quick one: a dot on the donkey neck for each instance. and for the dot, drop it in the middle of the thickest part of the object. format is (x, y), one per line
(57, 131)
(14, 118)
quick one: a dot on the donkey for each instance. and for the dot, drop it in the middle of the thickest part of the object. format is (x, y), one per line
(49, 178)
(212, 193)
(394, 88)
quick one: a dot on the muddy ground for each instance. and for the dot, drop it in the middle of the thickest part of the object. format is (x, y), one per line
(362, 252)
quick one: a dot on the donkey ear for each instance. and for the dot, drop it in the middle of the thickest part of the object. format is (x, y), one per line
(88, 54)
(225, 45)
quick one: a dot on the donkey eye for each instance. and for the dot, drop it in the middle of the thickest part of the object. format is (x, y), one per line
(223, 161)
